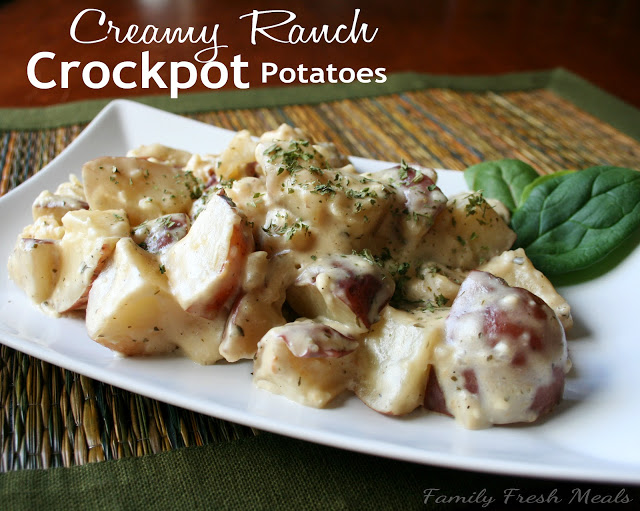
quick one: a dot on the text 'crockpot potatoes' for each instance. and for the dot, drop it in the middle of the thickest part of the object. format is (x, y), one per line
(277, 250)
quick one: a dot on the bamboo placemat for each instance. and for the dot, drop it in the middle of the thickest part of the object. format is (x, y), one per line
(52, 417)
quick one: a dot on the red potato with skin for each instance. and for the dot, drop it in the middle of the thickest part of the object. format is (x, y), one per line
(415, 204)
(310, 339)
(504, 357)
(204, 167)
(306, 361)
(258, 307)
(347, 291)
(34, 262)
(132, 311)
(238, 158)
(517, 270)
(158, 235)
(247, 324)
(74, 296)
(205, 268)
(50, 204)
(87, 244)
(422, 197)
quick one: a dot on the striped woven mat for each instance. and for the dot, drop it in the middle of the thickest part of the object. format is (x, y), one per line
(53, 417)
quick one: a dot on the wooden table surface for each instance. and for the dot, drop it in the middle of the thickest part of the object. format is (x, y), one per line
(597, 39)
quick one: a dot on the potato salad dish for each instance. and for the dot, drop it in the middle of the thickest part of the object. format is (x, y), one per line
(329, 280)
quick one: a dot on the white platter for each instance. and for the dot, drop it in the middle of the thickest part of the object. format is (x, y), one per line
(593, 435)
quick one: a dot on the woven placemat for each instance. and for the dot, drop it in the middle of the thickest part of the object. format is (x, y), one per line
(52, 417)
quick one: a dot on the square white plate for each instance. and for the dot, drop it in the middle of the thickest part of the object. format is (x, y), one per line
(593, 435)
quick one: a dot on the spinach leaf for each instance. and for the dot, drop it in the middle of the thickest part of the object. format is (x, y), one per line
(573, 221)
(539, 180)
(501, 179)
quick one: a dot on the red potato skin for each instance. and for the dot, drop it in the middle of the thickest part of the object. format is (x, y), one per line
(433, 396)
(323, 353)
(424, 183)
(160, 238)
(233, 316)
(548, 397)
(470, 381)
(359, 293)
(30, 243)
(531, 321)
(250, 169)
(364, 292)
(499, 324)
(243, 241)
(545, 400)
(60, 203)
(322, 336)
(421, 194)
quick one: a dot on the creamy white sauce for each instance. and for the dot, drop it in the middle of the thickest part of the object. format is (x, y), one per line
(330, 279)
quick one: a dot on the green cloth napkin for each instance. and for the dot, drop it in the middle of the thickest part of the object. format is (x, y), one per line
(275, 472)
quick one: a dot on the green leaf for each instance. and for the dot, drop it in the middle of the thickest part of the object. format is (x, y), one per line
(539, 180)
(572, 222)
(470, 174)
(504, 180)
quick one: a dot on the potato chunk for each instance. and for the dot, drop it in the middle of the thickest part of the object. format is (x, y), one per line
(284, 132)
(238, 159)
(161, 154)
(144, 189)
(305, 361)
(88, 241)
(331, 155)
(132, 311)
(347, 292)
(393, 360)
(49, 204)
(33, 266)
(205, 268)
(44, 228)
(72, 188)
(159, 234)
(515, 267)
(466, 233)
(504, 357)
(34, 263)
(258, 307)
(204, 167)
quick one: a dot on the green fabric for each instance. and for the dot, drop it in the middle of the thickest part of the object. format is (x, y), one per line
(565, 84)
(267, 472)
(595, 101)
